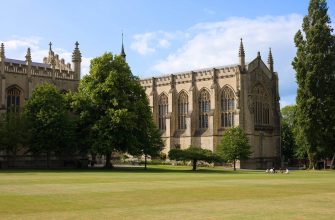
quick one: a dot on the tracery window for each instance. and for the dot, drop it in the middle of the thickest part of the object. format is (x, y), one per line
(227, 107)
(13, 99)
(261, 106)
(182, 110)
(204, 106)
(162, 112)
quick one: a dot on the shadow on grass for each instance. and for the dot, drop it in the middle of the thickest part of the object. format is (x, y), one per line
(135, 169)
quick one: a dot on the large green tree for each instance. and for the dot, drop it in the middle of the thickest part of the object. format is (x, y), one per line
(114, 108)
(314, 66)
(234, 145)
(52, 131)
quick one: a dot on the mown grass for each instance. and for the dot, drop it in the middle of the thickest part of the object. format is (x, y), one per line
(166, 192)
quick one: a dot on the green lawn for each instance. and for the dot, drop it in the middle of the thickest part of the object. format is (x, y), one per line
(166, 193)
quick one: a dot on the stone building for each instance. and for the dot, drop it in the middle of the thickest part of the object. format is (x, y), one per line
(20, 77)
(196, 107)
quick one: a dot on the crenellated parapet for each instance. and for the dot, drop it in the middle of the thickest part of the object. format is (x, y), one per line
(52, 66)
(199, 75)
(37, 69)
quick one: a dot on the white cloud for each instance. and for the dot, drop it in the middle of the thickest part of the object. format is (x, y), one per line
(17, 43)
(149, 42)
(217, 43)
(141, 43)
(16, 48)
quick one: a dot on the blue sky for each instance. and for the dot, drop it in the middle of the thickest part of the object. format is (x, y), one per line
(159, 36)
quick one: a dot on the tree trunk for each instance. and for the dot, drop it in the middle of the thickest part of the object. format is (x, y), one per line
(311, 158)
(234, 165)
(108, 160)
(194, 165)
(145, 161)
(332, 162)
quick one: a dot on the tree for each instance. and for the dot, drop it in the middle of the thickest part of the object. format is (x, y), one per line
(114, 107)
(314, 65)
(288, 138)
(150, 143)
(52, 130)
(15, 133)
(193, 154)
(234, 145)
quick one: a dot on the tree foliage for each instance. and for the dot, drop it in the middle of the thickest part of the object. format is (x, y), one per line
(15, 134)
(52, 130)
(234, 145)
(114, 108)
(288, 134)
(314, 65)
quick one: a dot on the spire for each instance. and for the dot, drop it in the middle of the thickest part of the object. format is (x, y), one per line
(270, 61)
(28, 56)
(2, 51)
(241, 50)
(241, 55)
(122, 54)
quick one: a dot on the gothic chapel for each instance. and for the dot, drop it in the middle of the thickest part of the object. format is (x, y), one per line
(196, 107)
(20, 77)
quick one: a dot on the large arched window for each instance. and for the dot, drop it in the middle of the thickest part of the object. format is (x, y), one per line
(261, 106)
(182, 110)
(162, 112)
(204, 105)
(13, 99)
(227, 107)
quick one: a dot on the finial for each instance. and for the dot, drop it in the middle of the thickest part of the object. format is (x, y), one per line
(241, 50)
(28, 55)
(270, 60)
(50, 44)
(258, 54)
(77, 44)
(122, 54)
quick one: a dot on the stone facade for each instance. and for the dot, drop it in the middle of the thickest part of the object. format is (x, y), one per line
(20, 77)
(196, 107)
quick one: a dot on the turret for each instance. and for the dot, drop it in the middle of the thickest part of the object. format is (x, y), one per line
(123, 54)
(76, 59)
(241, 55)
(2, 59)
(2, 78)
(270, 61)
(2, 53)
